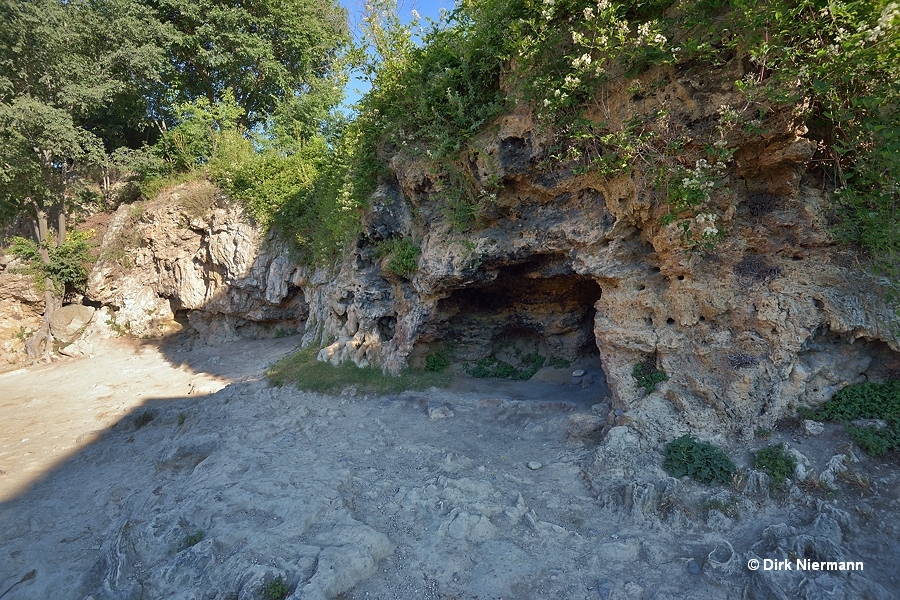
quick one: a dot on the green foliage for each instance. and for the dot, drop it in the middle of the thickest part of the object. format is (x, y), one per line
(866, 401)
(776, 463)
(763, 433)
(276, 589)
(269, 53)
(556, 362)
(192, 539)
(699, 460)
(68, 263)
(437, 362)
(440, 360)
(201, 123)
(302, 369)
(647, 375)
(726, 507)
(493, 367)
(402, 256)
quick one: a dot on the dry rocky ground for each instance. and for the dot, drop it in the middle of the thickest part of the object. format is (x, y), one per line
(475, 492)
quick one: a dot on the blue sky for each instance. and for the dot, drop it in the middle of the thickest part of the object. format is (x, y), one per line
(426, 8)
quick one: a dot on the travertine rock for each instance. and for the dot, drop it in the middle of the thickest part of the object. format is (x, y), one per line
(21, 307)
(565, 265)
(559, 263)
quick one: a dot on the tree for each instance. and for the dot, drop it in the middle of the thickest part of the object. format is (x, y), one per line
(56, 72)
(267, 52)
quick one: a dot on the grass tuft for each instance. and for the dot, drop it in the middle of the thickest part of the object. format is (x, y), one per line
(776, 463)
(302, 369)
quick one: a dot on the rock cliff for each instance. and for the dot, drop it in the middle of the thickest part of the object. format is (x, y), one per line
(551, 259)
(190, 259)
(566, 263)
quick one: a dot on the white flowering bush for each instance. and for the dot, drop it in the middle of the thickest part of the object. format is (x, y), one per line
(689, 194)
(836, 64)
(598, 37)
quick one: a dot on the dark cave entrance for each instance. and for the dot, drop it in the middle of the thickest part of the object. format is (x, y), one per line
(537, 313)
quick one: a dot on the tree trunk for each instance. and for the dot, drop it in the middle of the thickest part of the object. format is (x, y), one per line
(43, 336)
(61, 227)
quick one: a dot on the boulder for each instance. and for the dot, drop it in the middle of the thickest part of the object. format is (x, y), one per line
(66, 322)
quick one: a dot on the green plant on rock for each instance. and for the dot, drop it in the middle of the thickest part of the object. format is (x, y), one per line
(726, 506)
(67, 264)
(276, 589)
(440, 361)
(879, 401)
(402, 256)
(699, 460)
(192, 539)
(775, 461)
(647, 375)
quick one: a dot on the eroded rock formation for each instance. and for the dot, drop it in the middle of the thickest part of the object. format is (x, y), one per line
(166, 264)
(554, 260)
(775, 316)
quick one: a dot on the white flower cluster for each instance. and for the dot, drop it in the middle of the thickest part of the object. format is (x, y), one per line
(699, 179)
(644, 34)
(582, 61)
(709, 230)
(547, 13)
(887, 21)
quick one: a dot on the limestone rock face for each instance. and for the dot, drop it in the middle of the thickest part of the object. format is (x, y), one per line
(546, 260)
(164, 268)
(21, 307)
(563, 263)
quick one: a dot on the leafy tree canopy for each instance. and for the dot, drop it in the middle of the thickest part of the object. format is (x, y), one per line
(266, 52)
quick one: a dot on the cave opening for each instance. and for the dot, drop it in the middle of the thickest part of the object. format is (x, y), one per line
(534, 314)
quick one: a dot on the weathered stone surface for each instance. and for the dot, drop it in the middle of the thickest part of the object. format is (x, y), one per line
(566, 265)
(66, 322)
(581, 425)
(21, 307)
(558, 263)
(162, 269)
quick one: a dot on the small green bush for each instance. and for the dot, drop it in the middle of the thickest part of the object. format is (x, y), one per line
(192, 539)
(865, 401)
(69, 262)
(437, 363)
(402, 256)
(699, 460)
(776, 463)
(647, 375)
(493, 367)
(276, 590)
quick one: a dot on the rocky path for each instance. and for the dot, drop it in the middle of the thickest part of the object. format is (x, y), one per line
(470, 493)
